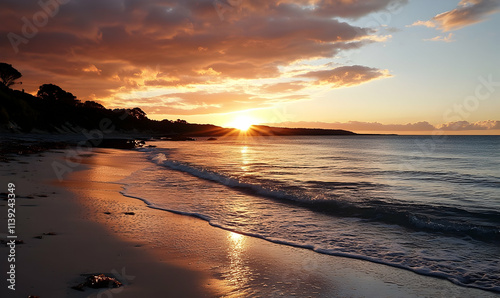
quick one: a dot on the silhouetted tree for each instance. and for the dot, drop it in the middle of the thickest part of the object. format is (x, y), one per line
(137, 113)
(92, 105)
(54, 92)
(181, 121)
(8, 74)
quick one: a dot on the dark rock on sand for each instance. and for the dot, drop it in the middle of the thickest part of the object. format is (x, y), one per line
(129, 213)
(98, 281)
(212, 139)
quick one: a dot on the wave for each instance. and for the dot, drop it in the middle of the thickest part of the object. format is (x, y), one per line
(482, 226)
(458, 277)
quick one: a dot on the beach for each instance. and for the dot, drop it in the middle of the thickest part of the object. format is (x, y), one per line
(158, 253)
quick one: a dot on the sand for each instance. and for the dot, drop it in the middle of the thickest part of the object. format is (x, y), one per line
(155, 253)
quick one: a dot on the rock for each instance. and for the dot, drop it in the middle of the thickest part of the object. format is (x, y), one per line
(102, 281)
(129, 213)
(98, 281)
(212, 139)
(108, 213)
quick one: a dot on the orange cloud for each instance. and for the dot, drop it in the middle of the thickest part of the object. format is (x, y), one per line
(102, 49)
(467, 13)
(428, 24)
(283, 87)
(448, 38)
(201, 102)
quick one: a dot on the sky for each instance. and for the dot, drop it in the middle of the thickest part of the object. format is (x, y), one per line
(402, 66)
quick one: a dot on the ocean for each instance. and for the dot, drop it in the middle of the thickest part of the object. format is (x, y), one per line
(424, 204)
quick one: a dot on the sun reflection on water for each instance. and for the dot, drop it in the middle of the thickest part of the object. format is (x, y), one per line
(239, 274)
(245, 160)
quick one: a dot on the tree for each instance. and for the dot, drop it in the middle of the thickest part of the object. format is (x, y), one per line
(137, 113)
(8, 74)
(54, 92)
(93, 105)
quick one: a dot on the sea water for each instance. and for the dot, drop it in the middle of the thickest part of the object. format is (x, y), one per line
(429, 205)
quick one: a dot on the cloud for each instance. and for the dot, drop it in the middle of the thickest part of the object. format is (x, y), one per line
(346, 76)
(464, 125)
(203, 102)
(467, 13)
(423, 126)
(353, 8)
(448, 38)
(428, 24)
(283, 87)
(102, 49)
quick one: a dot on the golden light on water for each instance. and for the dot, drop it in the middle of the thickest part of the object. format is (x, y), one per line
(239, 272)
(236, 240)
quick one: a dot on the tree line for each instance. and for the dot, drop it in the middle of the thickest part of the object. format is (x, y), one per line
(54, 110)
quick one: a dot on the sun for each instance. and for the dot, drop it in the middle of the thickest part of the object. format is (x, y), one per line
(243, 123)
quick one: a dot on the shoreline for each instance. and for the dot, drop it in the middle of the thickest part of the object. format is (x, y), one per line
(168, 253)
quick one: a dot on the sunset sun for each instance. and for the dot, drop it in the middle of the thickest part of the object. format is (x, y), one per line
(243, 123)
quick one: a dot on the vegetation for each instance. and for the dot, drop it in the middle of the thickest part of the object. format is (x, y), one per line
(8, 74)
